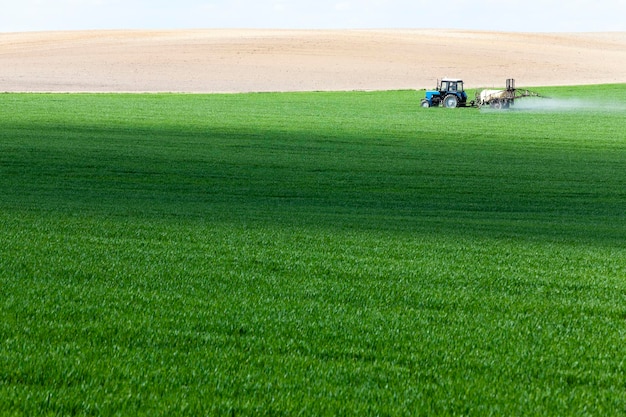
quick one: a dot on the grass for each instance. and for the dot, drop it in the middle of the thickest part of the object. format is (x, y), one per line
(311, 253)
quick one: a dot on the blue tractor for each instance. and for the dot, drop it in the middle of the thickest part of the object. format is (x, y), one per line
(449, 93)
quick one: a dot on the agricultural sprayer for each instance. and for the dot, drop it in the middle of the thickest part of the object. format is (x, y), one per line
(450, 94)
(502, 99)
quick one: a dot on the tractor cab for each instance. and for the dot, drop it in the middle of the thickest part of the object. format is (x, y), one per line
(451, 86)
(449, 92)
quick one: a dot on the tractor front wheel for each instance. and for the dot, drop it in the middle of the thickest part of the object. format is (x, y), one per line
(451, 101)
(425, 103)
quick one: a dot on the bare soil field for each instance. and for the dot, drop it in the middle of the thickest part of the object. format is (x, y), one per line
(216, 60)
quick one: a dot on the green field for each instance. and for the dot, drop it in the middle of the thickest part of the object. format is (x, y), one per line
(312, 254)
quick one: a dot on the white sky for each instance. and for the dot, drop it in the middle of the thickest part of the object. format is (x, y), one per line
(507, 15)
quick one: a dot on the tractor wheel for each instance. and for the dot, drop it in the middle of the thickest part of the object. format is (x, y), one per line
(497, 105)
(425, 104)
(451, 101)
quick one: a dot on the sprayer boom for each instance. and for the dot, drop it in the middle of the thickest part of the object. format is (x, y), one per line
(503, 99)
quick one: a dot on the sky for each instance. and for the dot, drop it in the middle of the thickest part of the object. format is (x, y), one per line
(500, 15)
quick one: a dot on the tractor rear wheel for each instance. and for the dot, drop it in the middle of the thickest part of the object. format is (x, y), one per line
(451, 101)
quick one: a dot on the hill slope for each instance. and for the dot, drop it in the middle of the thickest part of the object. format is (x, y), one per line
(288, 60)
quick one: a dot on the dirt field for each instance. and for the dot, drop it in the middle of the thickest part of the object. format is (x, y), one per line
(288, 60)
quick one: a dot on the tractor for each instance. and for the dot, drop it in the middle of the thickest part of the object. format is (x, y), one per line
(449, 93)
